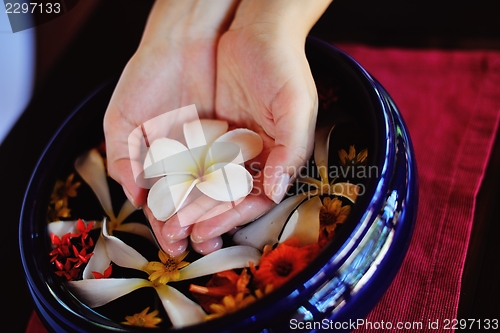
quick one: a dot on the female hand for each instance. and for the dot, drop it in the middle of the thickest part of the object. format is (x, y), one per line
(256, 76)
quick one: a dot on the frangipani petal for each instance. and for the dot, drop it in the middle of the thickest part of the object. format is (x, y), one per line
(181, 310)
(166, 156)
(322, 141)
(138, 229)
(304, 223)
(203, 132)
(127, 209)
(249, 142)
(61, 228)
(122, 254)
(223, 152)
(99, 260)
(226, 182)
(168, 194)
(312, 181)
(346, 190)
(267, 228)
(227, 258)
(90, 167)
(97, 292)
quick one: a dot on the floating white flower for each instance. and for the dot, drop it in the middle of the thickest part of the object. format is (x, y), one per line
(299, 216)
(212, 161)
(180, 309)
(91, 168)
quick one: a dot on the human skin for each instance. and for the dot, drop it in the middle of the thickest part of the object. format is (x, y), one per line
(241, 61)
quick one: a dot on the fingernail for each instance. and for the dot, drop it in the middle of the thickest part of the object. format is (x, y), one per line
(130, 197)
(208, 246)
(280, 187)
(176, 248)
(196, 239)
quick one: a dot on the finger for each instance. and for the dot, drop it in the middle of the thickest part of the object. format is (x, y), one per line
(177, 248)
(167, 233)
(121, 165)
(208, 246)
(121, 171)
(253, 206)
(294, 112)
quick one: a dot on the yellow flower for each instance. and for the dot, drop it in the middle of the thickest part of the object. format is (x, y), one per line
(333, 213)
(352, 158)
(167, 270)
(58, 207)
(143, 319)
(63, 190)
(58, 210)
(230, 304)
(259, 293)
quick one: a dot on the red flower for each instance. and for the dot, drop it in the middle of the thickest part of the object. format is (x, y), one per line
(62, 246)
(67, 270)
(81, 257)
(83, 232)
(70, 251)
(107, 273)
(280, 265)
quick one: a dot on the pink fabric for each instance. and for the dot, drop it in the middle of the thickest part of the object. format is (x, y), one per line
(450, 101)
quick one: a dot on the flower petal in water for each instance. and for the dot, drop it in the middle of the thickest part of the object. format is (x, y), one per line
(181, 310)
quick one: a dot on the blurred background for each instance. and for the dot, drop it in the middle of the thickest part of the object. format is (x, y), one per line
(47, 70)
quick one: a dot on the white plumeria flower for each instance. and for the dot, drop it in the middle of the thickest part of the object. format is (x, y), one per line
(91, 168)
(212, 162)
(181, 310)
(298, 215)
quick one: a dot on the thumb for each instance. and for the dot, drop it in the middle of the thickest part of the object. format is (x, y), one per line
(121, 171)
(294, 113)
(121, 164)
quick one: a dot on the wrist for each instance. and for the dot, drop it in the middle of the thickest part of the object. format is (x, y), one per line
(295, 17)
(188, 20)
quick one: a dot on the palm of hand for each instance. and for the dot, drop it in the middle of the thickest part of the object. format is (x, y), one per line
(253, 83)
(259, 87)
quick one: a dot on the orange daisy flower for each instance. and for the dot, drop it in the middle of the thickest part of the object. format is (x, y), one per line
(280, 265)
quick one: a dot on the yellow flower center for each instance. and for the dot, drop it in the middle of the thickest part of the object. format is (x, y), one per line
(327, 217)
(332, 213)
(167, 270)
(141, 322)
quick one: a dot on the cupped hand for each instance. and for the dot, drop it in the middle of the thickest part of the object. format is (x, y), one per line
(173, 67)
(264, 83)
(256, 76)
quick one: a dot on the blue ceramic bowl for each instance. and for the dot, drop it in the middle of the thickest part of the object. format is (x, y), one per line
(343, 283)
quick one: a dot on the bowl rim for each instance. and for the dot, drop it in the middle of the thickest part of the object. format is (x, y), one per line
(288, 294)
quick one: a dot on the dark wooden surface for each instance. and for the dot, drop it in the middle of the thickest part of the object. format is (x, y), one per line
(72, 64)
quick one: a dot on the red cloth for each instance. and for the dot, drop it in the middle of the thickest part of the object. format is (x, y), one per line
(450, 101)
(35, 325)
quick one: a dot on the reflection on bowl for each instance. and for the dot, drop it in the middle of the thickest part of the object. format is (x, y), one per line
(347, 277)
